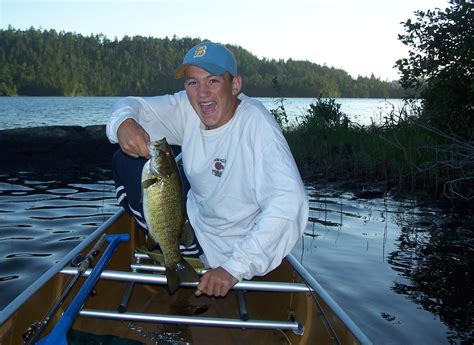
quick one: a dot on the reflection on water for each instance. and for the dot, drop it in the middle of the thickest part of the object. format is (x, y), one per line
(436, 256)
(403, 273)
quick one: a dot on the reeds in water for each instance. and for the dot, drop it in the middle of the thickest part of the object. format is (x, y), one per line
(402, 151)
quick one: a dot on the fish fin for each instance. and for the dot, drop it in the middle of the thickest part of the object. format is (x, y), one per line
(148, 182)
(141, 249)
(187, 235)
(187, 273)
(150, 243)
(179, 273)
(154, 254)
(145, 184)
(172, 279)
(157, 256)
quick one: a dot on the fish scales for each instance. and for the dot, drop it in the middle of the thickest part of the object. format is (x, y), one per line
(165, 214)
(164, 211)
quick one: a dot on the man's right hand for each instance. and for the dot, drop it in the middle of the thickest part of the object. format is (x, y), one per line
(133, 138)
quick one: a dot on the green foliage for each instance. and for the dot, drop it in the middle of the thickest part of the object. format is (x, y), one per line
(441, 65)
(279, 113)
(35, 62)
(324, 114)
(322, 136)
(397, 151)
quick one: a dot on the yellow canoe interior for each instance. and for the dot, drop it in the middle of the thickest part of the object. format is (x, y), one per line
(321, 325)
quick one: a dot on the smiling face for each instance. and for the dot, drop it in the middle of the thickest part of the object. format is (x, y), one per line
(214, 98)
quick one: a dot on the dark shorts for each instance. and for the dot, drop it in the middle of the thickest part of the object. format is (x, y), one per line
(127, 172)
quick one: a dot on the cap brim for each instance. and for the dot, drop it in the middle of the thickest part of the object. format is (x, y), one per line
(181, 71)
(211, 68)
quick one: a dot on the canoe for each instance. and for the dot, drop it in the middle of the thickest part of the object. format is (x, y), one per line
(129, 303)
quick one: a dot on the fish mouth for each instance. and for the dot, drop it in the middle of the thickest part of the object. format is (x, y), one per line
(161, 160)
(156, 146)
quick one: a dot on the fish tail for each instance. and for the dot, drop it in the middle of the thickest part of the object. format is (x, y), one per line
(181, 272)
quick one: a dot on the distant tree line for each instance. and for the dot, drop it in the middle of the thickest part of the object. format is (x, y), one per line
(46, 62)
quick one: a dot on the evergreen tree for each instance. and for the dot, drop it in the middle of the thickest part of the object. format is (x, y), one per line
(35, 62)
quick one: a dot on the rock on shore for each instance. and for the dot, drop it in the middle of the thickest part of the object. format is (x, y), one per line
(55, 147)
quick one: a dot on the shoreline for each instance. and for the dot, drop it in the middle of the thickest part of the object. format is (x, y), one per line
(75, 150)
(66, 150)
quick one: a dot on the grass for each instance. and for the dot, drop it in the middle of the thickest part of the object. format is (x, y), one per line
(408, 156)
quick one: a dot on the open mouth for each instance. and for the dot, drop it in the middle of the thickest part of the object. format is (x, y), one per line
(207, 107)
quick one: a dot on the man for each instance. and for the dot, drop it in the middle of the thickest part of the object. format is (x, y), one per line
(246, 202)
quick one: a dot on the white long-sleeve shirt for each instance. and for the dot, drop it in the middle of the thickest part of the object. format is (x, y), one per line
(247, 203)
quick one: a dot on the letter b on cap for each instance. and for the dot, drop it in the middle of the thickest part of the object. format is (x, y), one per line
(200, 51)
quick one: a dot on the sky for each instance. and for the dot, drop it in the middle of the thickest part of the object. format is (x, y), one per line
(358, 36)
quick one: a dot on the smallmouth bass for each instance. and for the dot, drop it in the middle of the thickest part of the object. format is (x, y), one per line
(164, 211)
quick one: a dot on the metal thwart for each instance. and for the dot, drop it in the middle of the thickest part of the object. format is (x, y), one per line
(147, 278)
(293, 326)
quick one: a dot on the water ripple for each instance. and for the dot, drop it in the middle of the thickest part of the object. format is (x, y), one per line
(386, 261)
(44, 217)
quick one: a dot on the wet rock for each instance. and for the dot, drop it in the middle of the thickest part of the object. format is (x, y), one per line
(55, 146)
(349, 185)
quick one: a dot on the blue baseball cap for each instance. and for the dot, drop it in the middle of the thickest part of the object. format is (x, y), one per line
(213, 57)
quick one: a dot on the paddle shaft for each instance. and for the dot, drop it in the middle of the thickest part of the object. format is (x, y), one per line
(58, 334)
(83, 266)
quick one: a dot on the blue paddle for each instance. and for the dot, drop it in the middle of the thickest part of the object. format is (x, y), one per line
(58, 334)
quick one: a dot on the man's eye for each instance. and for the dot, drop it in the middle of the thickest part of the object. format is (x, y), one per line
(190, 83)
(213, 81)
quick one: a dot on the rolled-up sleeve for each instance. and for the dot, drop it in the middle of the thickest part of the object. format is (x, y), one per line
(126, 108)
(159, 116)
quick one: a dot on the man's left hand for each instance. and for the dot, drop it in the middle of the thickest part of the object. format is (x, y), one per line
(216, 282)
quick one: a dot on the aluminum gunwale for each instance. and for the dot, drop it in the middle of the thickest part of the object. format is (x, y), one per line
(319, 290)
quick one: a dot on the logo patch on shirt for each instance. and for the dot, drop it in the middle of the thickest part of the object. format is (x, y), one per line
(219, 166)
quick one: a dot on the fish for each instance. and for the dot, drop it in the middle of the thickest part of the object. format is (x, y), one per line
(164, 211)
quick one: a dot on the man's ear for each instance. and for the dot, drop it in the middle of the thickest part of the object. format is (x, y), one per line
(236, 85)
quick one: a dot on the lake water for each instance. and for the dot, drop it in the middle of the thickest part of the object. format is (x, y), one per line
(402, 271)
(18, 112)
